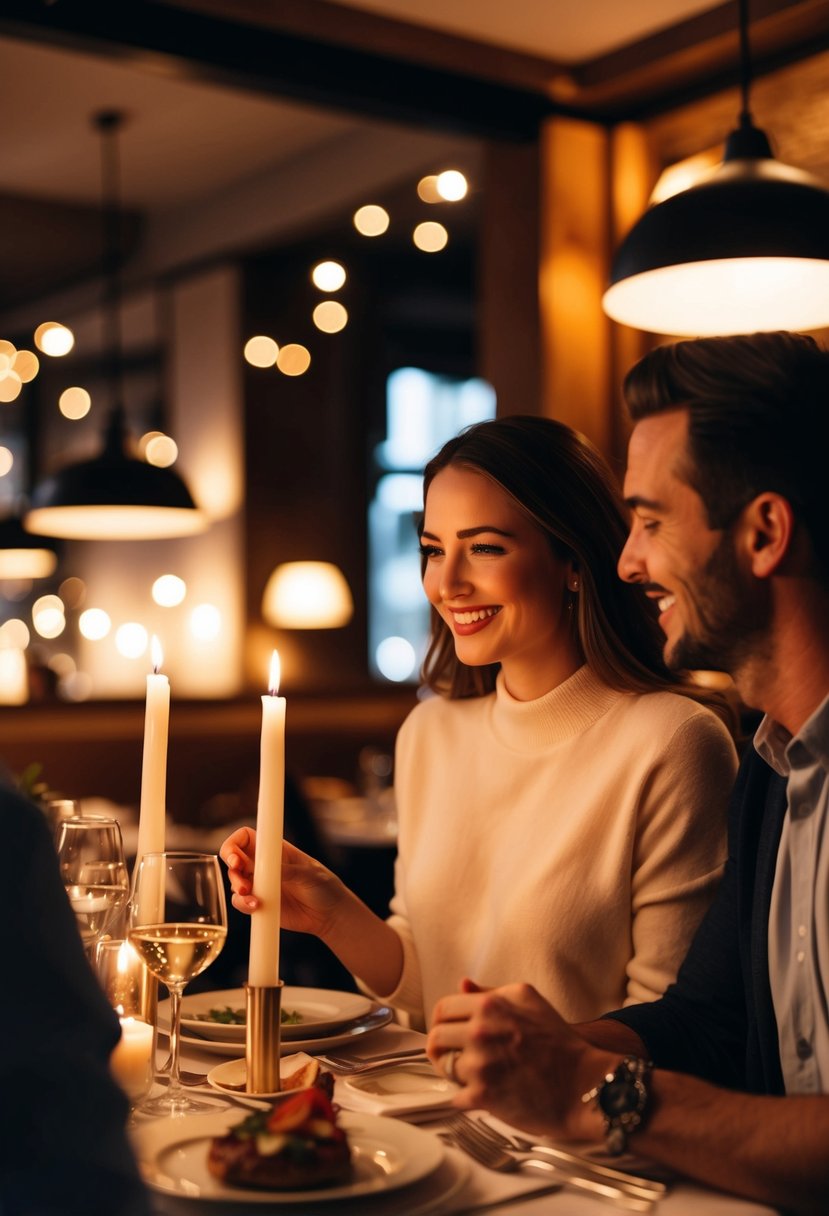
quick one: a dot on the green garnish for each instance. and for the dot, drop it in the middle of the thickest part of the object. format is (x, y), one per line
(236, 1017)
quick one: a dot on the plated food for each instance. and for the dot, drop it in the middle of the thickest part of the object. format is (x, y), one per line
(296, 1145)
(306, 1013)
(386, 1154)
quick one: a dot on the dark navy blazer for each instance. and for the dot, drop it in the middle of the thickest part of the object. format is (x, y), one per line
(717, 1020)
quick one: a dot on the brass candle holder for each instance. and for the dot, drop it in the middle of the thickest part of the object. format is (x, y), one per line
(263, 1033)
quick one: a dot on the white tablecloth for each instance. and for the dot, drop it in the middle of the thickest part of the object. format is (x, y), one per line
(516, 1194)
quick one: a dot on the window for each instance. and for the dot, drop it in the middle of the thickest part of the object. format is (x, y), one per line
(422, 411)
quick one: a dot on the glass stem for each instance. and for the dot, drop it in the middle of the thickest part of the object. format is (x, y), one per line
(175, 1039)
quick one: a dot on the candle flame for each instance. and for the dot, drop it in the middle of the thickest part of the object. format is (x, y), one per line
(123, 960)
(275, 674)
(157, 654)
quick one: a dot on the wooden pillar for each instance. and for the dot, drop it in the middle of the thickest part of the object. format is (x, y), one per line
(574, 253)
(633, 174)
(594, 185)
(508, 323)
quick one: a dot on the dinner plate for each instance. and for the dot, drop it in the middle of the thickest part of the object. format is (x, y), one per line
(378, 1016)
(386, 1154)
(321, 1010)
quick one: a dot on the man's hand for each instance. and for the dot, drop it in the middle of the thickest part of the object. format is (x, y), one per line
(519, 1059)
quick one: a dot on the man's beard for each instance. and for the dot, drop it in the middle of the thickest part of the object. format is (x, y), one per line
(732, 614)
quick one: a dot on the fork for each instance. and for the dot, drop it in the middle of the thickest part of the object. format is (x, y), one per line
(644, 1187)
(467, 1136)
(350, 1068)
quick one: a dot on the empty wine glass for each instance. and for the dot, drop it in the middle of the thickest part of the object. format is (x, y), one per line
(178, 926)
(94, 873)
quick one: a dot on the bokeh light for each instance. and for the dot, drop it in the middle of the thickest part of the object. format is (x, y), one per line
(26, 364)
(395, 658)
(6, 461)
(10, 386)
(94, 624)
(205, 622)
(427, 189)
(75, 686)
(293, 359)
(430, 237)
(371, 220)
(451, 185)
(261, 351)
(161, 451)
(48, 620)
(330, 316)
(54, 339)
(131, 640)
(73, 591)
(74, 403)
(169, 590)
(328, 276)
(14, 634)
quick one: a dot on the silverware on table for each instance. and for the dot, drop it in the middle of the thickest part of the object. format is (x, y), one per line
(349, 1067)
(648, 1188)
(461, 1131)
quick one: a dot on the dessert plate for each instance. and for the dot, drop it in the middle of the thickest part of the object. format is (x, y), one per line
(387, 1155)
(319, 1010)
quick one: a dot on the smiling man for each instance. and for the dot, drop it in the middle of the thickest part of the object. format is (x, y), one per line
(726, 1078)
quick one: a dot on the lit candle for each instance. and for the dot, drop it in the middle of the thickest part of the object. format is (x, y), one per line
(263, 969)
(154, 767)
(131, 1062)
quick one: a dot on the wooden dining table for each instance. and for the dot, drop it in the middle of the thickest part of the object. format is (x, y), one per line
(461, 1185)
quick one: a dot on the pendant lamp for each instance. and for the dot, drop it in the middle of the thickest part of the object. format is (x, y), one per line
(23, 556)
(113, 496)
(744, 250)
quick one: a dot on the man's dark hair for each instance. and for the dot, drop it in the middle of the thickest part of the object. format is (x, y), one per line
(758, 421)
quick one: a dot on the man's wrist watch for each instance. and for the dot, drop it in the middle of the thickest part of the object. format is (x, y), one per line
(622, 1097)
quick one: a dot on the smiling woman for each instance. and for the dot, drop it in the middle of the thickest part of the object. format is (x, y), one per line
(521, 855)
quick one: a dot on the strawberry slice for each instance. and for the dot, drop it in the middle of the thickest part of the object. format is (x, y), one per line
(297, 1110)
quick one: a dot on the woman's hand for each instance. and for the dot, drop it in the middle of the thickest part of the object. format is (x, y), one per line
(311, 894)
(515, 1056)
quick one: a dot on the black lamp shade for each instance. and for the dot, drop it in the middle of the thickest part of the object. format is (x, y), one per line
(114, 497)
(743, 251)
(23, 556)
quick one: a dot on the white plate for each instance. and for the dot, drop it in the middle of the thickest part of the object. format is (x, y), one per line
(400, 1089)
(386, 1155)
(380, 1015)
(322, 1010)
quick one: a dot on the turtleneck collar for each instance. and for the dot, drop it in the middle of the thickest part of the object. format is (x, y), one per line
(564, 711)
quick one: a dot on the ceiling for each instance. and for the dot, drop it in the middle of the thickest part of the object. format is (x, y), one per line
(566, 31)
(196, 138)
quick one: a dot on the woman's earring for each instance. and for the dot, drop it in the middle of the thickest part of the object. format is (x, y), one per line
(574, 584)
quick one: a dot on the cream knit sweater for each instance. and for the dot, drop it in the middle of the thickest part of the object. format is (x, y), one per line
(573, 842)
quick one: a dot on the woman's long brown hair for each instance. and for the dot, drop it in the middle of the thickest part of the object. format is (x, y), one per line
(567, 489)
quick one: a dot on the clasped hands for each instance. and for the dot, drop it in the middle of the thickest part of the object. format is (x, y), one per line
(518, 1059)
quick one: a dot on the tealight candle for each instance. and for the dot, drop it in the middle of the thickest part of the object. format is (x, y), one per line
(131, 1062)
(263, 963)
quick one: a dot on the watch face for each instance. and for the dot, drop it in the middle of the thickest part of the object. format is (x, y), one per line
(618, 1096)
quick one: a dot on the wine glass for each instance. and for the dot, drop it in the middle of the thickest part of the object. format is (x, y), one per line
(178, 926)
(94, 872)
(58, 810)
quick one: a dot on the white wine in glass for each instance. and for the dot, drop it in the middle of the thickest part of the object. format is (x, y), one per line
(94, 873)
(178, 926)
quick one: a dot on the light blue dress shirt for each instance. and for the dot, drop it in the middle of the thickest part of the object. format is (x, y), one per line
(799, 913)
